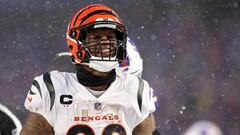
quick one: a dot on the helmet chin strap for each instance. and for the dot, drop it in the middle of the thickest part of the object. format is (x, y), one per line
(86, 78)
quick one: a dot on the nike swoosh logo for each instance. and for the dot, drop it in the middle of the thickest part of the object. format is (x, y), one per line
(31, 92)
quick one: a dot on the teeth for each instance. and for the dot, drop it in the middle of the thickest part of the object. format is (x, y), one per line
(105, 50)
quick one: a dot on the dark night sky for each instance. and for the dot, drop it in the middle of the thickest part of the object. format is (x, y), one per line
(190, 48)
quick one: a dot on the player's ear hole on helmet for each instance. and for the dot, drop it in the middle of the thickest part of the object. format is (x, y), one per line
(70, 47)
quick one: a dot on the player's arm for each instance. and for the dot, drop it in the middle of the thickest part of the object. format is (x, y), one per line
(38, 101)
(146, 107)
(36, 125)
(146, 127)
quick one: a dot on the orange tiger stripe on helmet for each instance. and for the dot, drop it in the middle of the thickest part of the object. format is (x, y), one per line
(76, 16)
(79, 16)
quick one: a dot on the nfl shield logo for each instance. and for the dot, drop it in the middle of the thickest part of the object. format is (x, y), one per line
(97, 106)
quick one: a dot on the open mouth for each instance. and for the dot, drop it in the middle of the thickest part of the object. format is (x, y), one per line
(99, 49)
(104, 53)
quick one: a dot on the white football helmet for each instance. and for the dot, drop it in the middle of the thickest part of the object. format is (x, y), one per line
(134, 63)
(203, 127)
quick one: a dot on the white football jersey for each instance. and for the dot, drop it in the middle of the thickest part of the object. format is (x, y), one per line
(71, 109)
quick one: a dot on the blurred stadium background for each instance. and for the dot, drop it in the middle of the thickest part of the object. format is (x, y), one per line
(191, 52)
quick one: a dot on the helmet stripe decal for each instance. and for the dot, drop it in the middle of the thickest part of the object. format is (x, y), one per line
(97, 12)
(75, 21)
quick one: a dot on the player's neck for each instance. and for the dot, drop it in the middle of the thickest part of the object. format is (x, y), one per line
(99, 88)
(95, 80)
(97, 73)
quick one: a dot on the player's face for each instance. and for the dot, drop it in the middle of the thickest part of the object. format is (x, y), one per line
(102, 42)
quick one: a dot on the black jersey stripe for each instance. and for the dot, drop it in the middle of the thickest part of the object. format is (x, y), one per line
(140, 93)
(48, 82)
(36, 84)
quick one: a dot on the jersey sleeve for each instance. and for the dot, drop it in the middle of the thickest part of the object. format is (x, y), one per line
(145, 100)
(38, 99)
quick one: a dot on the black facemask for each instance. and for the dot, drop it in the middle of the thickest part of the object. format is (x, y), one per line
(86, 78)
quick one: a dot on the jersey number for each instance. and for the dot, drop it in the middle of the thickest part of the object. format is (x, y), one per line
(86, 130)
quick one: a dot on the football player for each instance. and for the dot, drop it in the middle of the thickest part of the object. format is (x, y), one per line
(132, 65)
(96, 99)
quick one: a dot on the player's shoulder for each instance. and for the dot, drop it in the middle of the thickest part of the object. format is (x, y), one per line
(55, 77)
(132, 81)
(55, 74)
(53, 82)
(44, 89)
(126, 78)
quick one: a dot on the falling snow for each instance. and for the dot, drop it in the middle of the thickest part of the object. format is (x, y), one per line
(190, 51)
